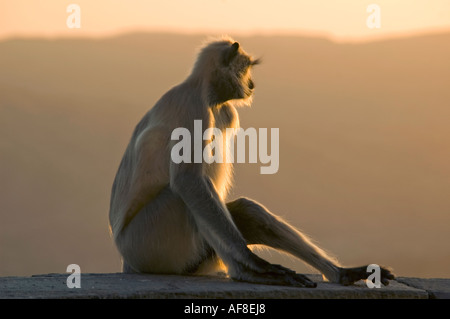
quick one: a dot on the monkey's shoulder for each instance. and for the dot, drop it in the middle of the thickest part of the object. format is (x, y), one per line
(155, 137)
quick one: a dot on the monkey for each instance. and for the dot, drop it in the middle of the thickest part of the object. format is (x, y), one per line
(174, 218)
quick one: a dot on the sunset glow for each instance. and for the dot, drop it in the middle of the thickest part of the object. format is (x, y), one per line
(341, 20)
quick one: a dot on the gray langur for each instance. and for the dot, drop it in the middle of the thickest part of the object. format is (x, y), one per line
(173, 218)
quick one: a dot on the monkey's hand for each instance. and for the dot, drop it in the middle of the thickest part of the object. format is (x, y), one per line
(349, 276)
(263, 272)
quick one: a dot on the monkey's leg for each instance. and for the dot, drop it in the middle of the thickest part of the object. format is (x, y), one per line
(216, 226)
(259, 226)
(161, 238)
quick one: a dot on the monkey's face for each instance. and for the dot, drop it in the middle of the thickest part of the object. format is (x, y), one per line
(240, 64)
(232, 79)
(247, 84)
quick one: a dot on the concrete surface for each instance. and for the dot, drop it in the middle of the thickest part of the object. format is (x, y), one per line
(117, 285)
(437, 288)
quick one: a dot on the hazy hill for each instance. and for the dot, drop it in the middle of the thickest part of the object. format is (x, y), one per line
(364, 144)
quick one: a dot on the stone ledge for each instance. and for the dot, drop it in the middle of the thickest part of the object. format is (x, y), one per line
(437, 288)
(126, 286)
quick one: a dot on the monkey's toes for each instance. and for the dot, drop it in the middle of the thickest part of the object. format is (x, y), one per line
(386, 275)
(349, 276)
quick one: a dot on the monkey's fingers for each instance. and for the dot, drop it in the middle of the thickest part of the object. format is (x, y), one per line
(292, 278)
(305, 281)
(281, 280)
(262, 266)
(283, 270)
(296, 280)
(274, 275)
(263, 272)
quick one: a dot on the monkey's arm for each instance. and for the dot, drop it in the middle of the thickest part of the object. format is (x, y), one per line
(210, 214)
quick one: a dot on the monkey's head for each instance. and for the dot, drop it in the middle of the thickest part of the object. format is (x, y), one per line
(225, 69)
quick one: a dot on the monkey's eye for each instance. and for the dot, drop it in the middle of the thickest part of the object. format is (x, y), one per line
(242, 71)
(243, 68)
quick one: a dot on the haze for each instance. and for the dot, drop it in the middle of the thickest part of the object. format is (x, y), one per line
(364, 125)
(341, 20)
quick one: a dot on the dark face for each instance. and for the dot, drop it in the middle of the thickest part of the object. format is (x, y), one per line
(246, 80)
(232, 80)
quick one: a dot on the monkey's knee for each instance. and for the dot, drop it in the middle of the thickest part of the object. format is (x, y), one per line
(253, 220)
(240, 210)
(242, 204)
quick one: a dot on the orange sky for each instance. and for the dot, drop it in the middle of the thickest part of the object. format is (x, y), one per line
(344, 19)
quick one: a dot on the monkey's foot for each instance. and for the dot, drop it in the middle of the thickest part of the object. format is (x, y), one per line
(349, 276)
(274, 275)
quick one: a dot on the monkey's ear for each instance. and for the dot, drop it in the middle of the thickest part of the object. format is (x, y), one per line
(231, 53)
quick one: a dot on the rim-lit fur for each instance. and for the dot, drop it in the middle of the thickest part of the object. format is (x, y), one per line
(174, 218)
